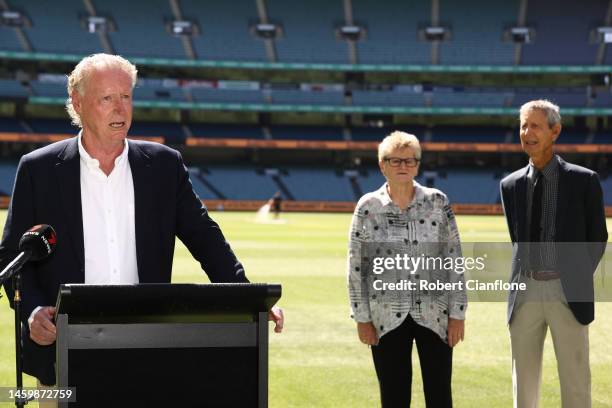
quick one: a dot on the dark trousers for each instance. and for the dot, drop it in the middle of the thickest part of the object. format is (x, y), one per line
(393, 363)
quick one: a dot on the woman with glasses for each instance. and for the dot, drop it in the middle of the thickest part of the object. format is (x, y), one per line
(393, 226)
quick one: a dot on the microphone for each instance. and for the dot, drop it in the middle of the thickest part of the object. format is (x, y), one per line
(35, 244)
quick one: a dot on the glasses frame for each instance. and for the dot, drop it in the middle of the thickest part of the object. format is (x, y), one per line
(410, 162)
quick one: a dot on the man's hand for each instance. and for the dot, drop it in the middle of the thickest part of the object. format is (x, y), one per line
(276, 315)
(455, 331)
(42, 329)
(367, 333)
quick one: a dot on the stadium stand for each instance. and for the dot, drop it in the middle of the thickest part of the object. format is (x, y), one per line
(308, 30)
(484, 134)
(387, 98)
(476, 32)
(7, 177)
(306, 132)
(216, 131)
(8, 39)
(11, 125)
(12, 89)
(224, 27)
(141, 30)
(226, 95)
(392, 31)
(50, 89)
(58, 28)
(461, 97)
(563, 37)
(52, 126)
(158, 92)
(565, 97)
(297, 97)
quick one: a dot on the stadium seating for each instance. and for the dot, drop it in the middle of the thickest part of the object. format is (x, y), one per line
(456, 134)
(308, 28)
(57, 27)
(476, 32)
(12, 89)
(564, 97)
(306, 132)
(387, 98)
(9, 40)
(50, 89)
(562, 31)
(392, 31)
(461, 97)
(226, 95)
(216, 131)
(224, 29)
(141, 30)
(11, 125)
(299, 97)
(7, 177)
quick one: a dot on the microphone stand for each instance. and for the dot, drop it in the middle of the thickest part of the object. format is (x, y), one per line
(20, 401)
(12, 270)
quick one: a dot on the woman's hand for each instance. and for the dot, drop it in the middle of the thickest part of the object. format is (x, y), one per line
(367, 333)
(455, 331)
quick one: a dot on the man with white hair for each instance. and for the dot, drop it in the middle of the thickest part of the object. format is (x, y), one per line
(556, 218)
(117, 204)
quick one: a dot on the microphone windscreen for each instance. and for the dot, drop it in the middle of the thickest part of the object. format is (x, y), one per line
(39, 240)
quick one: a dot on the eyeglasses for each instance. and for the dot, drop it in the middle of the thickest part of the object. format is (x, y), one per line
(396, 161)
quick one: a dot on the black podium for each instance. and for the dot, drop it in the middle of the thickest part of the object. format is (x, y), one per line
(164, 344)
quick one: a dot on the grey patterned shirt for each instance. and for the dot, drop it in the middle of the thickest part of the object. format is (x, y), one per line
(550, 178)
(427, 227)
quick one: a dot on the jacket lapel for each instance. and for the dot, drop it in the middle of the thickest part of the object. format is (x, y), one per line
(520, 206)
(140, 166)
(562, 200)
(68, 172)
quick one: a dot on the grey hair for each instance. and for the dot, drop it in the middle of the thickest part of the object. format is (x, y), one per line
(398, 140)
(550, 110)
(78, 77)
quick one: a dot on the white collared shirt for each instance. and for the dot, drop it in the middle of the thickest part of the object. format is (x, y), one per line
(109, 234)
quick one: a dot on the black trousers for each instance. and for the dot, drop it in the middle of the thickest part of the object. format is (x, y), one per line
(393, 363)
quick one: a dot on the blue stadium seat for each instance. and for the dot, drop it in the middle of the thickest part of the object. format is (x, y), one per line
(8, 170)
(146, 92)
(392, 31)
(226, 95)
(328, 185)
(12, 89)
(8, 40)
(469, 186)
(603, 99)
(57, 28)
(50, 89)
(241, 183)
(171, 132)
(469, 134)
(387, 98)
(562, 31)
(59, 126)
(467, 98)
(476, 32)
(225, 30)
(564, 97)
(306, 132)
(308, 30)
(299, 97)
(11, 125)
(216, 131)
(141, 30)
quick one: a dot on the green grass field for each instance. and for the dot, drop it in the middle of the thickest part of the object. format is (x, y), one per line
(318, 361)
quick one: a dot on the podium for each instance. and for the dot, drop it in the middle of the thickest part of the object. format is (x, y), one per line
(164, 344)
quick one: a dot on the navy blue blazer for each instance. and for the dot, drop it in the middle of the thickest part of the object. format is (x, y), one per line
(580, 227)
(47, 190)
